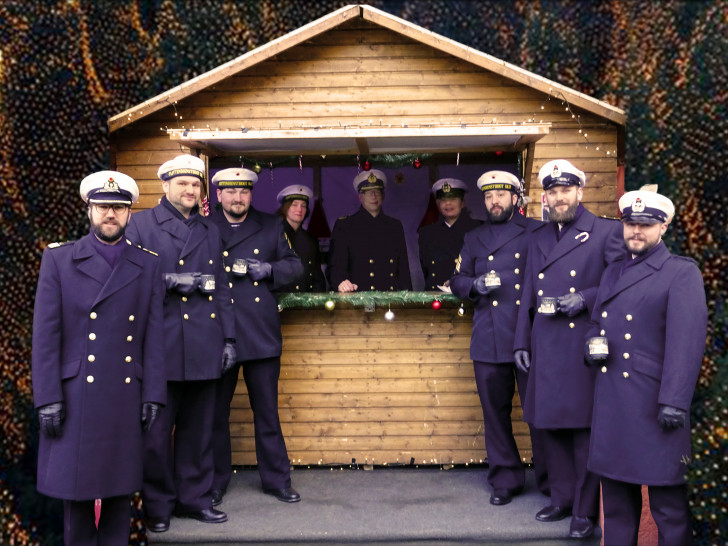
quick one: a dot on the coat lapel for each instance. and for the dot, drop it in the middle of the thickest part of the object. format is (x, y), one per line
(126, 272)
(493, 240)
(247, 229)
(89, 262)
(571, 240)
(640, 271)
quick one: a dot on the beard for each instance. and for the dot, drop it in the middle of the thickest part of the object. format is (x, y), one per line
(500, 217)
(112, 237)
(236, 215)
(648, 245)
(564, 217)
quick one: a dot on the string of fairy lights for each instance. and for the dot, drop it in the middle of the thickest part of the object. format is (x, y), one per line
(68, 66)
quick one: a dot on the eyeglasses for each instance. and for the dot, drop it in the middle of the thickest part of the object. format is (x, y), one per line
(102, 208)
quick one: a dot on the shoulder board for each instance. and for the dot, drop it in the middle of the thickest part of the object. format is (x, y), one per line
(56, 245)
(147, 250)
(685, 259)
(609, 217)
(343, 217)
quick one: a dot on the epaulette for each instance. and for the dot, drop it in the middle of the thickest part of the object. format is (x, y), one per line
(140, 247)
(343, 217)
(609, 217)
(56, 245)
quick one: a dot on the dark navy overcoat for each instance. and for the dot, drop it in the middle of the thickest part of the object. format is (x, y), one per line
(560, 390)
(439, 246)
(306, 247)
(502, 248)
(654, 317)
(369, 251)
(257, 320)
(195, 325)
(98, 346)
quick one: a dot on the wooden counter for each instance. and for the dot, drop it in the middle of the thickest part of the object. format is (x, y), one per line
(356, 386)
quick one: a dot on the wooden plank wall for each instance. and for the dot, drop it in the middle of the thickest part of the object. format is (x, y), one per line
(355, 386)
(362, 74)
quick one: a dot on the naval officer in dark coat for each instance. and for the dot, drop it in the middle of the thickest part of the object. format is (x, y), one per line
(651, 309)
(295, 202)
(258, 259)
(368, 250)
(199, 333)
(440, 242)
(489, 271)
(98, 365)
(566, 257)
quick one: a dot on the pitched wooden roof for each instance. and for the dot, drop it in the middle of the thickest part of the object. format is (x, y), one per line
(384, 20)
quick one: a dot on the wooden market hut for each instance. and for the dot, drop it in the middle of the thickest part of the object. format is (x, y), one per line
(362, 82)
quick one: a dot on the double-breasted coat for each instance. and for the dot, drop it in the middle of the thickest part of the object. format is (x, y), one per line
(195, 325)
(560, 390)
(257, 320)
(654, 316)
(98, 348)
(307, 248)
(439, 247)
(370, 251)
(502, 248)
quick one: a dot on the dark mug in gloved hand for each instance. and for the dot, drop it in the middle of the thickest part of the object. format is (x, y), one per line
(258, 270)
(182, 283)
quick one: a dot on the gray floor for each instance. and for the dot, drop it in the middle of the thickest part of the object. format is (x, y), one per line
(383, 505)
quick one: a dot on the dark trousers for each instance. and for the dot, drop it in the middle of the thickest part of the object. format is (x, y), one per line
(623, 509)
(261, 380)
(79, 522)
(567, 451)
(496, 385)
(178, 471)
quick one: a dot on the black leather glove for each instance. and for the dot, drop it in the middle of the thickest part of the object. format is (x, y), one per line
(51, 418)
(571, 304)
(480, 287)
(182, 283)
(671, 418)
(150, 411)
(258, 270)
(229, 356)
(523, 360)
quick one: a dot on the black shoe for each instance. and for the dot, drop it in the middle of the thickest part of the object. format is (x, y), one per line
(157, 525)
(553, 513)
(208, 515)
(217, 495)
(286, 494)
(499, 497)
(581, 527)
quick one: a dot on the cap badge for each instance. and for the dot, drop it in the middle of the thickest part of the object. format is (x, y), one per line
(111, 185)
(556, 172)
(638, 205)
(446, 188)
(372, 178)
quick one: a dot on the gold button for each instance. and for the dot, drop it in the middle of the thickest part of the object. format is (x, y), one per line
(310, 262)
(604, 369)
(371, 288)
(391, 287)
(186, 316)
(92, 336)
(256, 251)
(255, 283)
(540, 275)
(129, 338)
(602, 332)
(518, 287)
(629, 317)
(131, 318)
(297, 287)
(391, 261)
(571, 325)
(128, 359)
(604, 314)
(627, 336)
(371, 261)
(212, 315)
(625, 356)
(572, 289)
(127, 380)
(495, 303)
(572, 273)
(210, 298)
(518, 302)
(371, 273)
(225, 253)
(231, 284)
(625, 374)
(490, 258)
(518, 255)
(540, 292)
(93, 315)
(181, 262)
(90, 378)
(91, 358)
(392, 275)
(433, 262)
(232, 300)
(257, 300)
(184, 298)
(227, 268)
(210, 262)
(516, 271)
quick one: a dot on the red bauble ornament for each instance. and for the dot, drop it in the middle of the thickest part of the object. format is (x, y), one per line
(499, 153)
(367, 165)
(436, 305)
(417, 163)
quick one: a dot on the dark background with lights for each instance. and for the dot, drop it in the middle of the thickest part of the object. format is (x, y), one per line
(68, 65)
